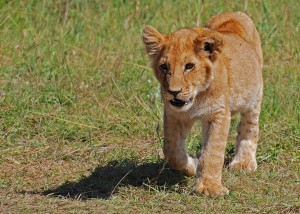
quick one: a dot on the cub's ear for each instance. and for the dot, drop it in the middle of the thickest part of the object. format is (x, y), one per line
(153, 40)
(211, 44)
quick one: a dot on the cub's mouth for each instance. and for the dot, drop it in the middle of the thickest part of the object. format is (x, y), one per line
(179, 103)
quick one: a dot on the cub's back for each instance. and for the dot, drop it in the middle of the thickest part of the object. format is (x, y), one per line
(242, 49)
(240, 24)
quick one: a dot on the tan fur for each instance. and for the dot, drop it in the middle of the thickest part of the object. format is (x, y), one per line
(213, 72)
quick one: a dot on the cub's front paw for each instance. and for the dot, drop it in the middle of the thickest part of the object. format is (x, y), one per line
(191, 166)
(208, 188)
(243, 163)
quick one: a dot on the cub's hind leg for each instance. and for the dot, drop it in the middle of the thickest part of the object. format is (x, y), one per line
(246, 142)
(175, 132)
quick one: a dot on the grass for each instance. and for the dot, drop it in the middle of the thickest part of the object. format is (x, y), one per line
(81, 119)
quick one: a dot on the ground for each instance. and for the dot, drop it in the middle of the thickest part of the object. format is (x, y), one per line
(81, 114)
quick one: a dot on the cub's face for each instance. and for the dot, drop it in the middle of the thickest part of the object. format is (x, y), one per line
(182, 63)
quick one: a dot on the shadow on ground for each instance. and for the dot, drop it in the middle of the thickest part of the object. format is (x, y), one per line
(105, 180)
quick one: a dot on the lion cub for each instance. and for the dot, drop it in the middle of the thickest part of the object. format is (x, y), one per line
(209, 74)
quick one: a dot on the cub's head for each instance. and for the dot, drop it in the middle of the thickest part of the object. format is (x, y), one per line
(182, 62)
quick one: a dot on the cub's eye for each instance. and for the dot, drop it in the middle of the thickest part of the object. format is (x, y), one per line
(189, 66)
(163, 67)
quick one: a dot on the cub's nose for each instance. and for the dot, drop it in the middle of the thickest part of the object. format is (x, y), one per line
(174, 92)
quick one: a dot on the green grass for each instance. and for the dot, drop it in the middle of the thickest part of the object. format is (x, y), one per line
(81, 118)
